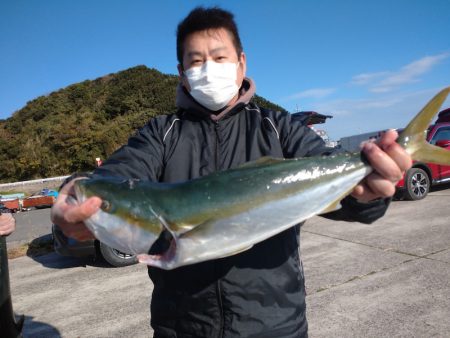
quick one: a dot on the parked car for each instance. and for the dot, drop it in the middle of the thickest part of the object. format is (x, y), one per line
(10, 205)
(48, 192)
(37, 202)
(67, 246)
(418, 180)
(4, 209)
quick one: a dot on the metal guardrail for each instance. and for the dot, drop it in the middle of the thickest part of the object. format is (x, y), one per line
(7, 186)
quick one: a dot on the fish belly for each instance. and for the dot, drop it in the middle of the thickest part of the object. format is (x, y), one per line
(114, 232)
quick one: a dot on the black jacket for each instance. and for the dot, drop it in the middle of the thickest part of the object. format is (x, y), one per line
(257, 293)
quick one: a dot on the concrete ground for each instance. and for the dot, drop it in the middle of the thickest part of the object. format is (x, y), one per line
(30, 226)
(388, 279)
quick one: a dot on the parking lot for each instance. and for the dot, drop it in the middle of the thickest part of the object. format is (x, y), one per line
(391, 278)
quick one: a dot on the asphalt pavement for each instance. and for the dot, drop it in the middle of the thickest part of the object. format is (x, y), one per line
(30, 225)
(387, 279)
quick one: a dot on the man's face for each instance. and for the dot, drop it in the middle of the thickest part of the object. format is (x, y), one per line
(210, 45)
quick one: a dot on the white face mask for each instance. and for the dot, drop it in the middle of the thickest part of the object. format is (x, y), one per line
(213, 84)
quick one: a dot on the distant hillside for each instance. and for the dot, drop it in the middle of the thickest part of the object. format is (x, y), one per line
(65, 131)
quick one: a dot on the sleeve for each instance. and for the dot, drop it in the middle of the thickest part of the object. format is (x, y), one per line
(354, 211)
(140, 158)
(298, 140)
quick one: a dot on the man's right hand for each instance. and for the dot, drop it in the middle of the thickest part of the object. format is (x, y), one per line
(70, 217)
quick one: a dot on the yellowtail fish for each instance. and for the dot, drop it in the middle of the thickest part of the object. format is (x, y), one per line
(228, 212)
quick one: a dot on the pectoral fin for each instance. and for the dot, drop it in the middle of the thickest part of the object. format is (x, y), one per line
(332, 207)
(237, 251)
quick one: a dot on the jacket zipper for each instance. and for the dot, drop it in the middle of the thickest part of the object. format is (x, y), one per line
(218, 288)
(219, 300)
(216, 153)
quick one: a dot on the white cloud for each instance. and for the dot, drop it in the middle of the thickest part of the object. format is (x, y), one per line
(356, 116)
(383, 82)
(409, 73)
(316, 93)
(366, 78)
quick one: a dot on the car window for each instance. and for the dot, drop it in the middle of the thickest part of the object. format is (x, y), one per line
(442, 133)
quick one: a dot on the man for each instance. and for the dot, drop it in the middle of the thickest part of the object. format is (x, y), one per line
(259, 292)
(7, 224)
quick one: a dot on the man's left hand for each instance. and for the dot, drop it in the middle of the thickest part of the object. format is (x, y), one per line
(389, 162)
(7, 224)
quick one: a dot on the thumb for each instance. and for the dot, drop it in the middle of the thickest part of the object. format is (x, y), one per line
(84, 210)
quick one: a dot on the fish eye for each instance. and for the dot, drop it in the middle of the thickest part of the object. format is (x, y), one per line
(106, 206)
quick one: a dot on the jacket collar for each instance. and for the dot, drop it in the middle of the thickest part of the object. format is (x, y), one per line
(185, 101)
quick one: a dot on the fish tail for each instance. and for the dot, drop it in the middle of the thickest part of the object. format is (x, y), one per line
(413, 137)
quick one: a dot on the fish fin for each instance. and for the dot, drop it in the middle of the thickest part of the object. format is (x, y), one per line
(163, 221)
(261, 161)
(332, 207)
(175, 229)
(413, 137)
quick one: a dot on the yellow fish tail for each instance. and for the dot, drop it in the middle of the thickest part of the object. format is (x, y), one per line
(413, 137)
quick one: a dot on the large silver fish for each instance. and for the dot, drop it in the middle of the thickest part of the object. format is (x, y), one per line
(228, 212)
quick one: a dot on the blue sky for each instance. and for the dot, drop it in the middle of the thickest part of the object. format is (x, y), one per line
(370, 64)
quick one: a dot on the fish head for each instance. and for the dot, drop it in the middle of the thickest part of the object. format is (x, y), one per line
(109, 189)
(124, 221)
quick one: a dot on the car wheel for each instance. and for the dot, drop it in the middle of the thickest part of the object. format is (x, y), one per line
(116, 257)
(417, 184)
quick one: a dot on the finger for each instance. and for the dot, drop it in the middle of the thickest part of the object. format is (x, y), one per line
(382, 163)
(399, 155)
(388, 137)
(83, 211)
(7, 225)
(68, 189)
(363, 193)
(379, 186)
(394, 150)
(6, 231)
(63, 203)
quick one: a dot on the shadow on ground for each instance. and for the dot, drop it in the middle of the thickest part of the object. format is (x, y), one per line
(436, 188)
(42, 251)
(33, 328)
(441, 187)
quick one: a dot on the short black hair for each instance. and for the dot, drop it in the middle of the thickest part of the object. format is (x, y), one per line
(200, 19)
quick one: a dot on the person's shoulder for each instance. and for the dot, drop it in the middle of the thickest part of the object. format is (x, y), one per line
(267, 112)
(159, 126)
(161, 122)
(279, 117)
(164, 118)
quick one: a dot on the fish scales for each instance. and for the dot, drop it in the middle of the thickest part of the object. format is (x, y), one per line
(238, 190)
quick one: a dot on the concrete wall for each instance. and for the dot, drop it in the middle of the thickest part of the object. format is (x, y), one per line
(32, 186)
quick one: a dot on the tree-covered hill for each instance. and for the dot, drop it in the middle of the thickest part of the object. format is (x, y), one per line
(65, 131)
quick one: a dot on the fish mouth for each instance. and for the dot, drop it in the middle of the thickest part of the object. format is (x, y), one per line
(162, 250)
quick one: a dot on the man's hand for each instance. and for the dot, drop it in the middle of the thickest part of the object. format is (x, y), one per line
(7, 224)
(70, 217)
(389, 162)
